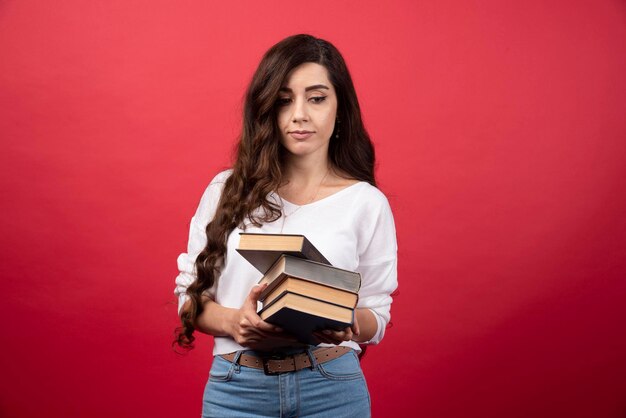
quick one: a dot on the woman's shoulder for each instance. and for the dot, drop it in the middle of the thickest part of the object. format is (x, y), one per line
(221, 177)
(370, 193)
(212, 194)
(216, 184)
(357, 188)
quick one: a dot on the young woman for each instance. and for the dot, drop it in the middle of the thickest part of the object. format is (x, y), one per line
(304, 165)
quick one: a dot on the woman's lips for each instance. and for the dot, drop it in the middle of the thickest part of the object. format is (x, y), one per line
(300, 135)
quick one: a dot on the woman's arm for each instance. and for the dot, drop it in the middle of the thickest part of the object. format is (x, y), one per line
(249, 330)
(366, 325)
(244, 325)
(363, 329)
(377, 254)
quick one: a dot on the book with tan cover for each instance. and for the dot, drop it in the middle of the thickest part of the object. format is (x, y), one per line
(262, 250)
(313, 290)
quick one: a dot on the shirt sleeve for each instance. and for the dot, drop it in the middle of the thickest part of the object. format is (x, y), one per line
(377, 263)
(197, 239)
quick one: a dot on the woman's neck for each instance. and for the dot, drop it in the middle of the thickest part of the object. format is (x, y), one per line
(305, 179)
(306, 172)
(306, 182)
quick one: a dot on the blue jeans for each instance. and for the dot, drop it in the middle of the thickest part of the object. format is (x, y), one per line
(333, 389)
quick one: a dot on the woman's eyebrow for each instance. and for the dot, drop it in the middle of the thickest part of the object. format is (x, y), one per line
(314, 87)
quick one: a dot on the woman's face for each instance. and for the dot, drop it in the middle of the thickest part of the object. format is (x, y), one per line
(307, 107)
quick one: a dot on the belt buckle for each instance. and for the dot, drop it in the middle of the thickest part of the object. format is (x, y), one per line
(265, 360)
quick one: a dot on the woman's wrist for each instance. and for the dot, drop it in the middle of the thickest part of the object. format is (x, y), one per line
(216, 320)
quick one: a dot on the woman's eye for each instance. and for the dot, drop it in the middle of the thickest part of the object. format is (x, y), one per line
(318, 99)
(283, 101)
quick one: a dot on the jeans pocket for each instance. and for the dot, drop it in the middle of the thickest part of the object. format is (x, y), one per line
(346, 367)
(221, 370)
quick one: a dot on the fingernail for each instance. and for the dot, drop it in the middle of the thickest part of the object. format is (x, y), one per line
(327, 331)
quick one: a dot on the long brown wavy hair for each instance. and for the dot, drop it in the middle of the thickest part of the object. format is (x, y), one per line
(258, 167)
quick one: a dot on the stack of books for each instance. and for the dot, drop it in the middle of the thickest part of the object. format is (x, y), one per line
(305, 292)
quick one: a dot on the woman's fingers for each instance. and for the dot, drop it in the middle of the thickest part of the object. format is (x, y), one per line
(253, 296)
(251, 330)
(329, 336)
(251, 319)
(250, 315)
(355, 327)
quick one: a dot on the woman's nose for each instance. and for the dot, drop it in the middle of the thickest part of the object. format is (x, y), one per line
(299, 111)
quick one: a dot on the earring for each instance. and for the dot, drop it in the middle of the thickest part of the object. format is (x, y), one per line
(337, 122)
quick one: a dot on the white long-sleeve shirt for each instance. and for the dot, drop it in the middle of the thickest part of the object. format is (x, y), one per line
(353, 228)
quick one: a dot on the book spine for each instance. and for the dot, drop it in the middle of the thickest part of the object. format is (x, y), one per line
(327, 301)
(285, 274)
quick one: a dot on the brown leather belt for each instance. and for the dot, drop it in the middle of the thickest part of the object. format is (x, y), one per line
(275, 364)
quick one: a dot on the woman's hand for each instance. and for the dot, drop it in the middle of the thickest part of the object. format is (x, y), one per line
(331, 336)
(249, 330)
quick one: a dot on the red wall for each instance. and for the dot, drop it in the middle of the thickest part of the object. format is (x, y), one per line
(501, 144)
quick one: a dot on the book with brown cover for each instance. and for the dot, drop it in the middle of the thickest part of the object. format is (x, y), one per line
(289, 266)
(301, 315)
(262, 250)
(313, 290)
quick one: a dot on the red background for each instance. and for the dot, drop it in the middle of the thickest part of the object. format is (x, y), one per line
(501, 144)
